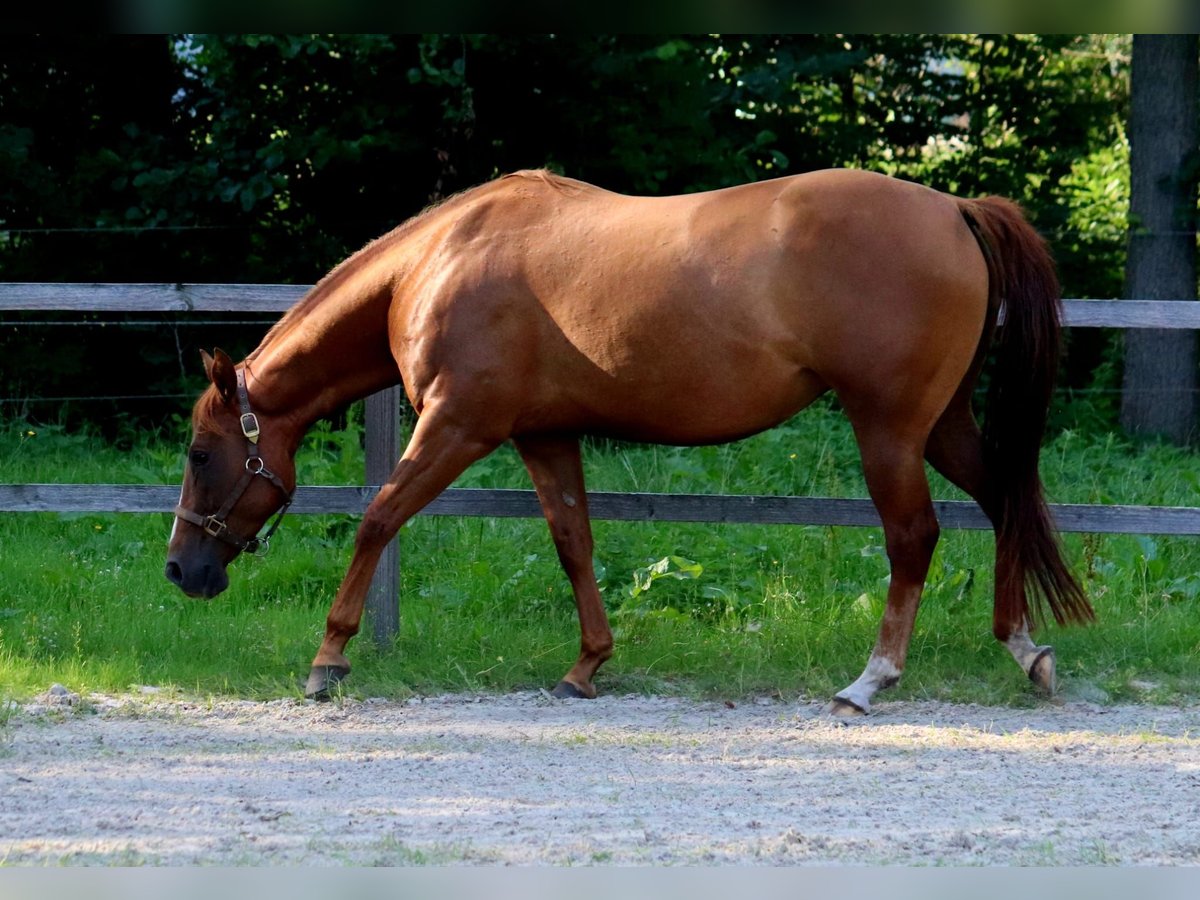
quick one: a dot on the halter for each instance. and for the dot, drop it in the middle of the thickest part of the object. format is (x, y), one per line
(215, 524)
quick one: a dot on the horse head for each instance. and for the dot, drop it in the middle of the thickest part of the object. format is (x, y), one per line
(239, 474)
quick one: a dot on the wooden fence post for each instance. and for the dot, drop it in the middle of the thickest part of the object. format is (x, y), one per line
(382, 426)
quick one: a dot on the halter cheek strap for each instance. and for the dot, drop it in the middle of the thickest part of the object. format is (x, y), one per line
(216, 524)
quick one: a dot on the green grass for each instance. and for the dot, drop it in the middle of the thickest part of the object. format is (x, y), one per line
(484, 606)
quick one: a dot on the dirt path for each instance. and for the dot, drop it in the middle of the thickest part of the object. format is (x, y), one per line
(524, 779)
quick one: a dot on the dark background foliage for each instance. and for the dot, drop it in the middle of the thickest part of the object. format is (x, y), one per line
(268, 158)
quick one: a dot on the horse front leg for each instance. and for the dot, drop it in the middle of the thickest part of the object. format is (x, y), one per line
(556, 469)
(438, 453)
(898, 486)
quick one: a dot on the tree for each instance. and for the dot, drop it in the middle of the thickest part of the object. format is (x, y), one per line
(270, 157)
(1160, 366)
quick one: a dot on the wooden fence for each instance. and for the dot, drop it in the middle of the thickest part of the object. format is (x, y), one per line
(382, 427)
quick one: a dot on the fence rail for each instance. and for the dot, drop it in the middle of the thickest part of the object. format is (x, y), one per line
(382, 429)
(623, 507)
(276, 298)
(149, 298)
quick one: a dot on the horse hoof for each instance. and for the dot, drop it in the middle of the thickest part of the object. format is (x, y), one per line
(566, 690)
(1042, 672)
(841, 708)
(322, 680)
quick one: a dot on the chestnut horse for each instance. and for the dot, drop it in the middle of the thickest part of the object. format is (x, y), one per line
(538, 309)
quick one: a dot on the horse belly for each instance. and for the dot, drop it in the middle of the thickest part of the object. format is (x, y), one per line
(675, 397)
(700, 417)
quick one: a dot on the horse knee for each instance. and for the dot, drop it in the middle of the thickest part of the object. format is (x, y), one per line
(374, 532)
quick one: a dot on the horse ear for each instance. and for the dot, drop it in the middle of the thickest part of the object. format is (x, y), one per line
(207, 359)
(222, 373)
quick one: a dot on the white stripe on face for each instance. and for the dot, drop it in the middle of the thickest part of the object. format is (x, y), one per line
(175, 521)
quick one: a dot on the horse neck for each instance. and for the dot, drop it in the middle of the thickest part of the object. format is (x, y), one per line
(332, 347)
(334, 350)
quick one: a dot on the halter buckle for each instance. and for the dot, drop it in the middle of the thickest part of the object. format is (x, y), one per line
(250, 427)
(215, 526)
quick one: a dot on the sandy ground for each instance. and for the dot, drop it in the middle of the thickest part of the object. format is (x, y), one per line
(527, 780)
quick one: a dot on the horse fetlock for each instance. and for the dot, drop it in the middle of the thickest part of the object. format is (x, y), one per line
(339, 629)
(597, 653)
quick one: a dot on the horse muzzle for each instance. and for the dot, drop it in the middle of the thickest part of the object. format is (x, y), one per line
(201, 581)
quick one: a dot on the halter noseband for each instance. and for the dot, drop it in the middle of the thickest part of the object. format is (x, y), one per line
(215, 524)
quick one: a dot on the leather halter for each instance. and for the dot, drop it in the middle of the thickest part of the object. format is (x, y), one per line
(215, 524)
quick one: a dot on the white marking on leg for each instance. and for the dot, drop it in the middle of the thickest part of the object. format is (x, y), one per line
(1027, 654)
(880, 672)
(1023, 649)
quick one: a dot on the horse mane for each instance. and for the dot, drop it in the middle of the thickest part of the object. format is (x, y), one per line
(556, 182)
(337, 276)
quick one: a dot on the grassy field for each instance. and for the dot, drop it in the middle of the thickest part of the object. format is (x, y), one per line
(742, 610)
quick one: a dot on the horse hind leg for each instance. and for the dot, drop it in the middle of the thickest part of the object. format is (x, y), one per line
(955, 449)
(556, 469)
(896, 480)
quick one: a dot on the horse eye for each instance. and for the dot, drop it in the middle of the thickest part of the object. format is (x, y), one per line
(198, 457)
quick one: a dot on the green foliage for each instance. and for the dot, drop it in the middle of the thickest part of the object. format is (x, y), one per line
(1096, 194)
(234, 158)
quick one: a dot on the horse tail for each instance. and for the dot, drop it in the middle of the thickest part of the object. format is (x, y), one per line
(1023, 282)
